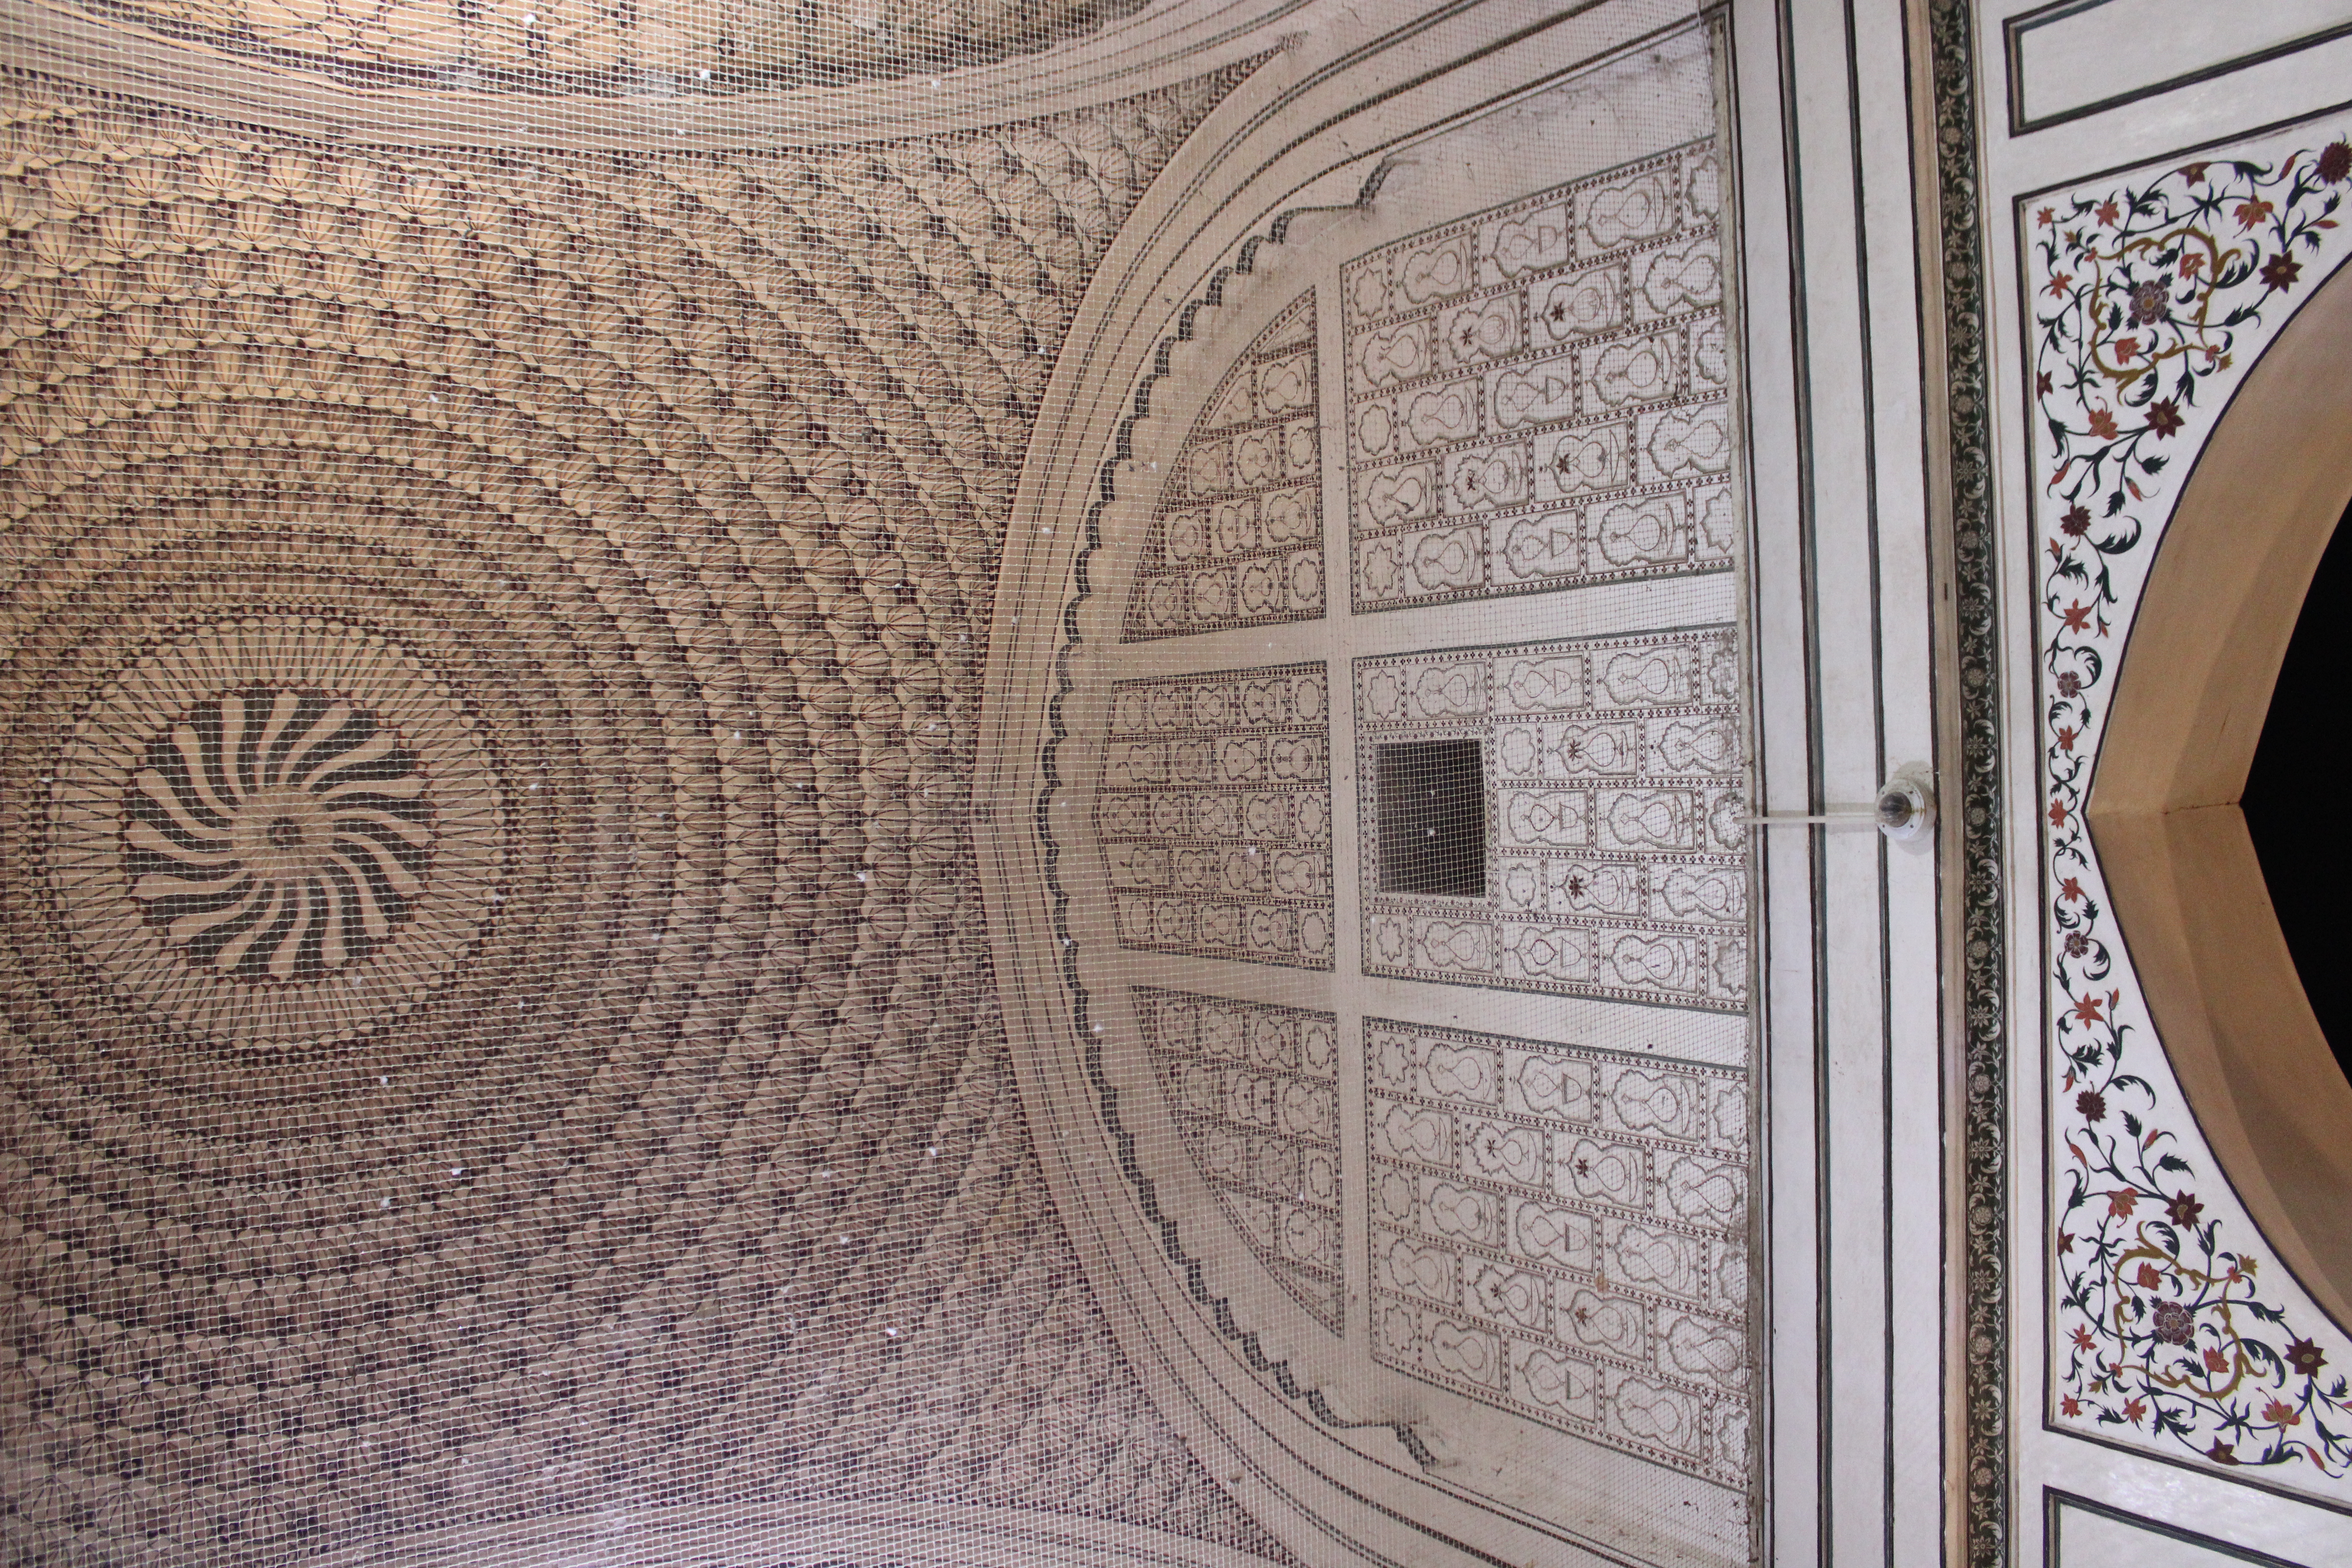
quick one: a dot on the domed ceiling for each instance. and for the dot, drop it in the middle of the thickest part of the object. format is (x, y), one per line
(497, 1010)
(611, 47)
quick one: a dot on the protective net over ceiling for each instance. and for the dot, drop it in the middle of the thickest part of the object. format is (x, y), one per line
(505, 1055)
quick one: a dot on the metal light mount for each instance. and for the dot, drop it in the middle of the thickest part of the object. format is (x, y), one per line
(1904, 810)
(1907, 805)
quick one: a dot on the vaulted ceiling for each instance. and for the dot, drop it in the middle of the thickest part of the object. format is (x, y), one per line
(613, 48)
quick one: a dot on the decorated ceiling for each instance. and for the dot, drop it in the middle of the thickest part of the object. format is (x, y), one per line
(613, 48)
(496, 1014)
(952, 784)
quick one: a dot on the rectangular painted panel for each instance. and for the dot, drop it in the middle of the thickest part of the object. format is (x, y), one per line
(1252, 1090)
(2092, 1536)
(2070, 59)
(1538, 395)
(1563, 1233)
(1615, 817)
(1236, 536)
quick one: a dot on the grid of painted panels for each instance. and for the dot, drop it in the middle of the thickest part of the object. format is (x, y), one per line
(1214, 815)
(1537, 395)
(1563, 1233)
(1614, 800)
(1253, 1091)
(1237, 537)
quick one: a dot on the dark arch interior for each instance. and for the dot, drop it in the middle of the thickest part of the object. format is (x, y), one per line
(2294, 811)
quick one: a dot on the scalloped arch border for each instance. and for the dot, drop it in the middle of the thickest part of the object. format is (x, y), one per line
(1335, 1493)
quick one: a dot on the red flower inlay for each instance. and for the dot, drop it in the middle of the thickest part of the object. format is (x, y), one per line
(2173, 1323)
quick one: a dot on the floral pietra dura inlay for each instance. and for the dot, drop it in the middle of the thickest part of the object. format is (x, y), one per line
(277, 834)
(2173, 1330)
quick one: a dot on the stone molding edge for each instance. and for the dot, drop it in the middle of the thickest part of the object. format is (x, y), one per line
(1255, 182)
(1159, 46)
(1982, 954)
(826, 1531)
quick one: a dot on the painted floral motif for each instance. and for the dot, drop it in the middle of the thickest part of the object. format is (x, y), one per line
(2148, 300)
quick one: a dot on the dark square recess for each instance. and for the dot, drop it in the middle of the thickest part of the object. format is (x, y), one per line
(1433, 818)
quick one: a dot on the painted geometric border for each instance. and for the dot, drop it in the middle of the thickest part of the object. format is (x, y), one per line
(2172, 1330)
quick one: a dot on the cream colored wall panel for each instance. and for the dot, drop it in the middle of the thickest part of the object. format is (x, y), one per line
(2087, 1538)
(2078, 57)
(2141, 162)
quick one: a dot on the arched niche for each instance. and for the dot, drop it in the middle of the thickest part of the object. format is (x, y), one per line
(2195, 687)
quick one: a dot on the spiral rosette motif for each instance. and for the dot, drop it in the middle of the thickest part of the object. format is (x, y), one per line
(302, 850)
(277, 834)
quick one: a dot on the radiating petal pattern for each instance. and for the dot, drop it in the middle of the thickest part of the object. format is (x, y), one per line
(330, 826)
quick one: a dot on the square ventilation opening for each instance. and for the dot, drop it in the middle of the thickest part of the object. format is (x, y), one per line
(1433, 806)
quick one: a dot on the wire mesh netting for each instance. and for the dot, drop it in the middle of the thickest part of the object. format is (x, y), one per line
(504, 1057)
